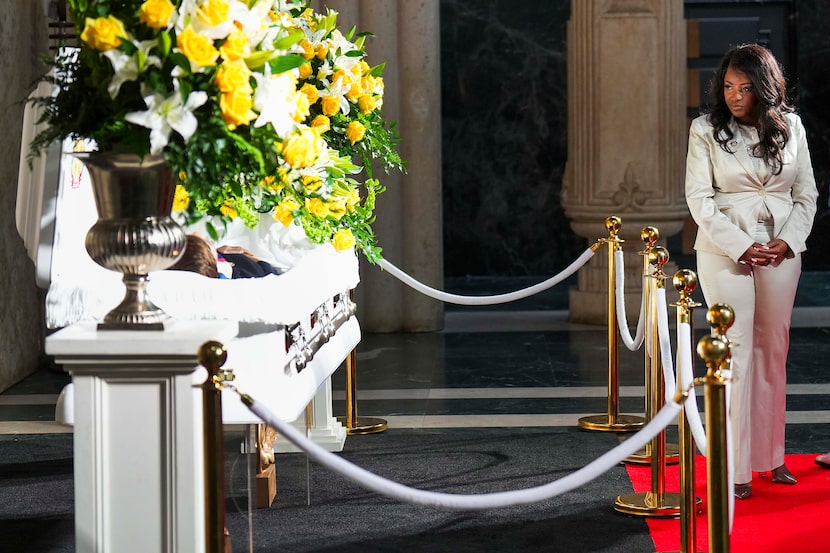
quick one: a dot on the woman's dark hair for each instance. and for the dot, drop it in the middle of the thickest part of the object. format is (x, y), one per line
(198, 257)
(770, 89)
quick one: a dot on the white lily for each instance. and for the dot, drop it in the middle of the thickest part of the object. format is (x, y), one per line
(274, 101)
(129, 67)
(168, 114)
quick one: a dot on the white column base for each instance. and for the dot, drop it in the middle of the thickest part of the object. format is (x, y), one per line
(324, 429)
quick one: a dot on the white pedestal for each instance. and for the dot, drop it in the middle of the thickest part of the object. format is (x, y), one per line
(323, 428)
(138, 458)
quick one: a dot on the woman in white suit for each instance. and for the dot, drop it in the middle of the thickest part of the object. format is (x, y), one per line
(751, 190)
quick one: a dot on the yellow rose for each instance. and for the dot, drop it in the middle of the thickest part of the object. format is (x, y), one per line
(270, 182)
(302, 149)
(213, 12)
(355, 131)
(285, 211)
(181, 198)
(311, 92)
(301, 107)
(321, 123)
(354, 92)
(156, 13)
(235, 46)
(197, 48)
(360, 68)
(312, 183)
(353, 199)
(234, 76)
(330, 105)
(366, 104)
(337, 209)
(236, 108)
(308, 49)
(305, 70)
(320, 51)
(343, 239)
(228, 211)
(317, 207)
(103, 33)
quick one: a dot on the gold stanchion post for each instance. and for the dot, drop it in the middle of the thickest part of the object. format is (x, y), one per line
(650, 235)
(715, 350)
(355, 424)
(685, 282)
(212, 355)
(612, 421)
(657, 502)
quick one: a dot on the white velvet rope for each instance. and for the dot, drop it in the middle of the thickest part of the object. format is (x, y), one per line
(665, 344)
(487, 300)
(444, 500)
(634, 343)
(686, 375)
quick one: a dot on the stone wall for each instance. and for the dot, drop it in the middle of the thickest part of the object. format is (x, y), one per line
(22, 40)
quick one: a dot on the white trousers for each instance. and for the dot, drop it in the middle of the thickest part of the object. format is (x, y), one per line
(762, 299)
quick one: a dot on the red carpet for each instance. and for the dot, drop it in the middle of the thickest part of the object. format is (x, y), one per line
(776, 519)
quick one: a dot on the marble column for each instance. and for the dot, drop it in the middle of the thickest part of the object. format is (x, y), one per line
(626, 134)
(408, 226)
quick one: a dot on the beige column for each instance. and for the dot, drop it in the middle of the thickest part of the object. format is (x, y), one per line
(626, 134)
(408, 226)
(380, 309)
(22, 41)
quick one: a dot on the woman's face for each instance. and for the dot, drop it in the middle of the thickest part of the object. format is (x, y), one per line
(740, 96)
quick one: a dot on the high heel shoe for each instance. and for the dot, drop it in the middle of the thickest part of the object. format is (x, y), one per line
(782, 475)
(743, 491)
(823, 460)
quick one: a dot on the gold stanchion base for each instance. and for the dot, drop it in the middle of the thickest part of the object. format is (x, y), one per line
(623, 423)
(643, 457)
(646, 504)
(365, 425)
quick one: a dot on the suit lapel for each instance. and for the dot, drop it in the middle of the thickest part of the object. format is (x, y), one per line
(739, 149)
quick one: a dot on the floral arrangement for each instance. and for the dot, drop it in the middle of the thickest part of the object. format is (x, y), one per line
(259, 106)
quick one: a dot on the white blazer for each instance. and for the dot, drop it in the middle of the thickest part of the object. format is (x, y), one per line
(725, 194)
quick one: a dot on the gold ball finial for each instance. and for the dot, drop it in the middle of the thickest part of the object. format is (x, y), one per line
(658, 256)
(721, 317)
(713, 349)
(212, 355)
(685, 281)
(649, 235)
(613, 224)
